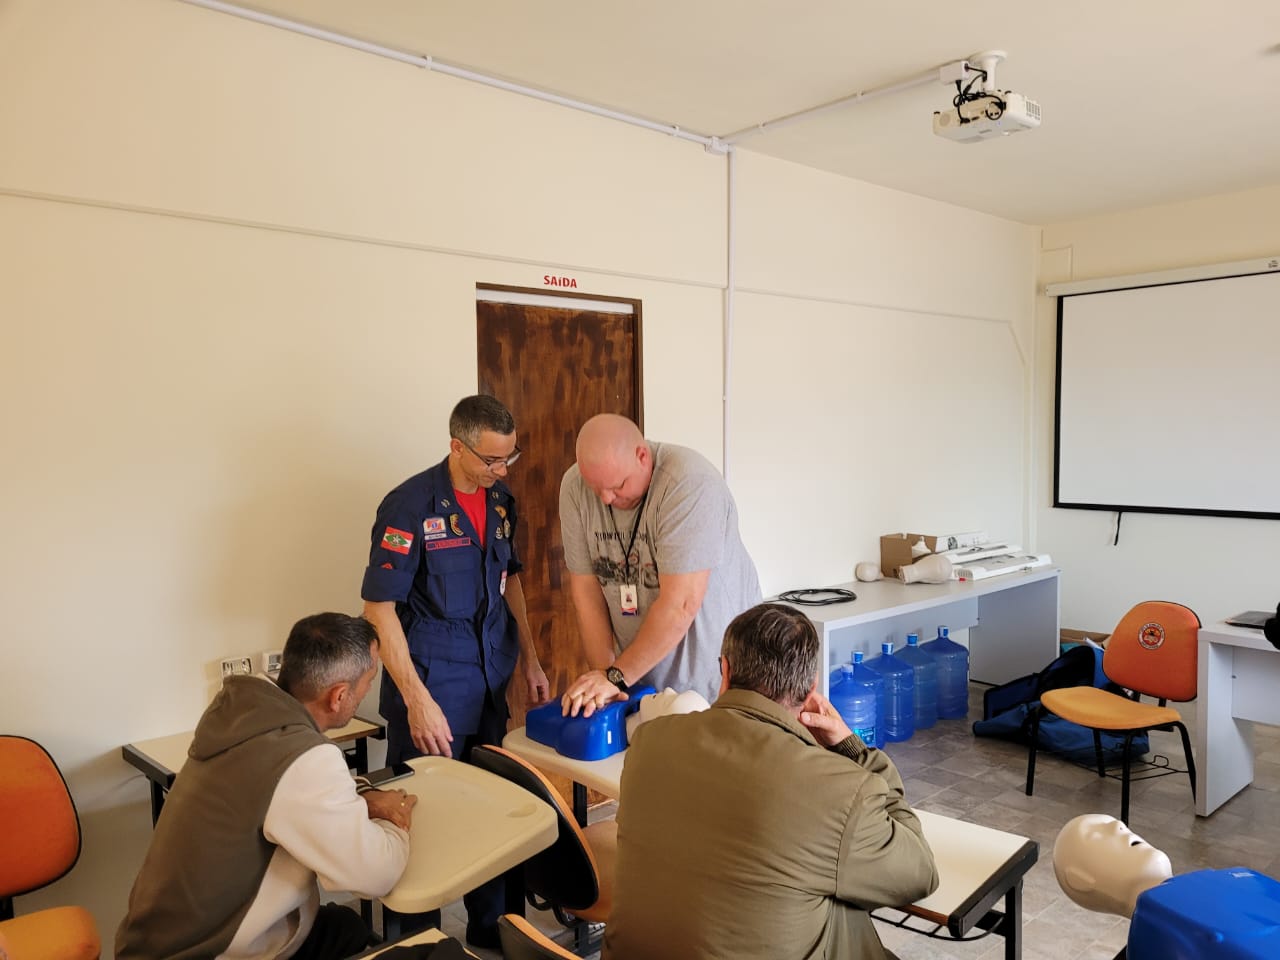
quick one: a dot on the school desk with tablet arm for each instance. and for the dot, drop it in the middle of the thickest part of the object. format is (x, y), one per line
(978, 867)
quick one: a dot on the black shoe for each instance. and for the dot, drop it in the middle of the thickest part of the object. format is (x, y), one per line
(484, 936)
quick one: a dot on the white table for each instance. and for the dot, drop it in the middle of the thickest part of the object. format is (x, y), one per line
(977, 866)
(469, 826)
(1012, 621)
(1238, 684)
(162, 757)
(603, 775)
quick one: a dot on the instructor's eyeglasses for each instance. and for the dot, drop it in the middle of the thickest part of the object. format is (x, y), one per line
(491, 462)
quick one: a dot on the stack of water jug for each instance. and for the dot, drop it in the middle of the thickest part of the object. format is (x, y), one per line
(889, 697)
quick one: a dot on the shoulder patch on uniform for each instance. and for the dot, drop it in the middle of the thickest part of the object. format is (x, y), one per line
(397, 541)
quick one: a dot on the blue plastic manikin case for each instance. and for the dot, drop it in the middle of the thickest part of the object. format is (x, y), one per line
(1208, 915)
(600, 735)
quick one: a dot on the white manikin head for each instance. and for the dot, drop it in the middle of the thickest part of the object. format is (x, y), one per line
(661, 704)
(1104, 866)
(867, 571)
(930, 569)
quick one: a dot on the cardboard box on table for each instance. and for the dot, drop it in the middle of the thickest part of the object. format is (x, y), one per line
(895, 548)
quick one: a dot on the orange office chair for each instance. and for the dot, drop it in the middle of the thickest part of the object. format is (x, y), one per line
(521, 940)
(574, 874)
(40, 836)
(1151, 653)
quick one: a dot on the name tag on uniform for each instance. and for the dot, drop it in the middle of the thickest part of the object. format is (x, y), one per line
(630, 599)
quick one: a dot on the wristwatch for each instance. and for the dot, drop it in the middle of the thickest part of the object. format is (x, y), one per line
(614, 676)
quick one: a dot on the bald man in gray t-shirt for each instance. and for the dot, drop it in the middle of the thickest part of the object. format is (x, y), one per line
(657, 568)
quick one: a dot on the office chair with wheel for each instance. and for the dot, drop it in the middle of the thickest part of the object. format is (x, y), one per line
(521, 940)
(1152, 653)
(40, 837)
(575, 874)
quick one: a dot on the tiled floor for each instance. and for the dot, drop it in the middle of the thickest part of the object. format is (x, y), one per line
(949, 771)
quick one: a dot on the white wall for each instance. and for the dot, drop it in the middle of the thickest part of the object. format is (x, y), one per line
(237, 274)
(878, 379)
(1215, 565)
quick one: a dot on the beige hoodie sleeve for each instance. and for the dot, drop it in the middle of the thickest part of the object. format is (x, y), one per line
(317, 816)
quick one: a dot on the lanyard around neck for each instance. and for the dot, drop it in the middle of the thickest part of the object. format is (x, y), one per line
(635, 528)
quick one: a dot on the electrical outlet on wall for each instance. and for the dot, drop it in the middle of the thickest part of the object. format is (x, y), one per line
(236, 667)
(269, 663)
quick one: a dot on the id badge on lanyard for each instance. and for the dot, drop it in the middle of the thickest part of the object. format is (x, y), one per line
(629, 590)
(630, 599)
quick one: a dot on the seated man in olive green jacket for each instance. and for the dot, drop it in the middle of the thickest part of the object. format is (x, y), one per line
(761, 827)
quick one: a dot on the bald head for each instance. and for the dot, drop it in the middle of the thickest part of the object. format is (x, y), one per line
(614, 460)
(607, 436)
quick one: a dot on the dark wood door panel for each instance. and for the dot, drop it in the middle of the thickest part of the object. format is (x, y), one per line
(553, 368)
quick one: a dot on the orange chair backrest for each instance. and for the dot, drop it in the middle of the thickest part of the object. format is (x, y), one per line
(39, 829)
(1153, 651)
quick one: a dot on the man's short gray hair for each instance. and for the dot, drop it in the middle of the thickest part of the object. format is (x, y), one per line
(773, 650)
(474, 415)
(325, 649)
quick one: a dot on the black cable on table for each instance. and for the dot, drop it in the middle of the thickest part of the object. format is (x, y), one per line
(818, 597)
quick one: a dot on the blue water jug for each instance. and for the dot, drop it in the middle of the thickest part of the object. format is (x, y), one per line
(926, 668)
(899, 694)
(858, 696)
(953, 675)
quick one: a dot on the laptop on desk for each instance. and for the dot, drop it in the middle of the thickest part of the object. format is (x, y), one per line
(1250, 618)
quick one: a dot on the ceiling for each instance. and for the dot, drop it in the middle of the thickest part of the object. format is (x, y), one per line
(1144, 101)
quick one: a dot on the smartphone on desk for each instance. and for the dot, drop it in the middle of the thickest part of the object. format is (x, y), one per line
(375, 779)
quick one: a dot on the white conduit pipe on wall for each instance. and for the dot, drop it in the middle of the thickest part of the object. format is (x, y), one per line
(729, 281)
(430, 63)
(861, 97)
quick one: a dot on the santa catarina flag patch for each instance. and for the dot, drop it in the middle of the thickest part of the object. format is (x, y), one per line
(398, 541)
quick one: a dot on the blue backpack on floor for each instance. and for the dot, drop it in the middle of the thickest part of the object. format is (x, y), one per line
(1006, 709)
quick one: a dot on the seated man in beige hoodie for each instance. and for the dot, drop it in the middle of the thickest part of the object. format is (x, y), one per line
(761, 827)
(264, 807)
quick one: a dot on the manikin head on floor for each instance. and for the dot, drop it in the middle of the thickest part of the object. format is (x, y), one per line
(1103, 866)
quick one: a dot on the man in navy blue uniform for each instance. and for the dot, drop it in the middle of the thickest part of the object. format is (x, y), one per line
(443, 590)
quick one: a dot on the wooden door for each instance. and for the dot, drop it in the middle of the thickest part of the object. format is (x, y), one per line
(554, 367)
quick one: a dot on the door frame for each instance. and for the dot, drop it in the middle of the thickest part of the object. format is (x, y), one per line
(636, 311)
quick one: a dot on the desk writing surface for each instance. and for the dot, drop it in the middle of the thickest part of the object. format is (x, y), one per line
(968, 856)
(1015, 616)
(1233, 636)
(1237, 676)
(170, 753)
(469, 826)
(1246, 688)
(602, 775)
(880, 596)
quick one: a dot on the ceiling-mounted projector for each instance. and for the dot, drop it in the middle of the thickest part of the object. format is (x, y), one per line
(989, 115)
(987, 111)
